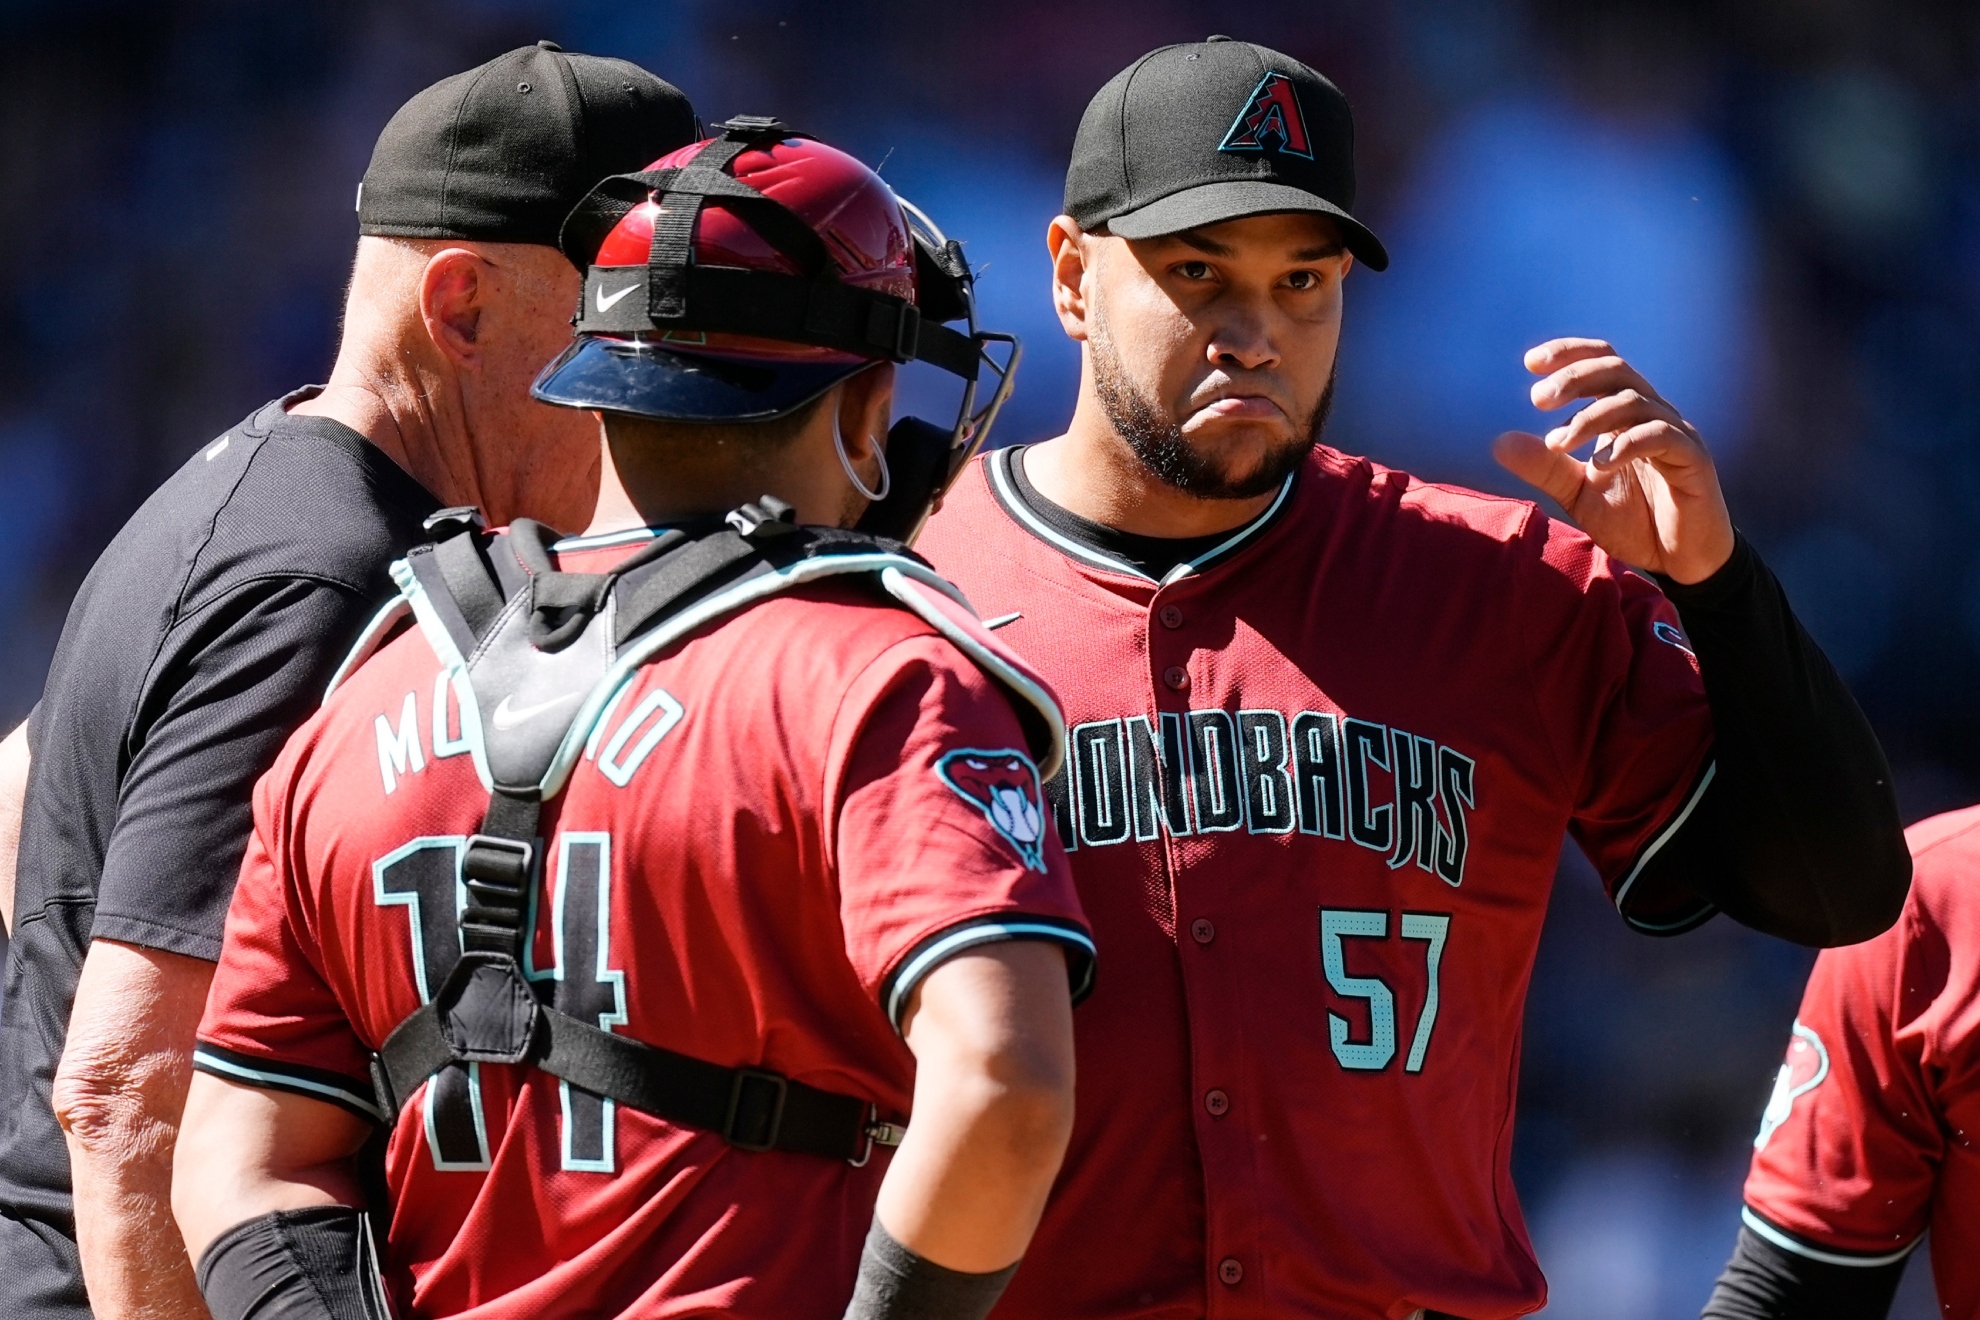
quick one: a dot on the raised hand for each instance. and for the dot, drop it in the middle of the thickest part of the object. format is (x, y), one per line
(1649, 494)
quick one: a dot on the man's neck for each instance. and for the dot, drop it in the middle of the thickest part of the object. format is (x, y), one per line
(616, 511)
(395, 415)
(1092, 471)
(646, 497)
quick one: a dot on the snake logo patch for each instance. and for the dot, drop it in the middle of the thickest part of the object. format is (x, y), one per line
(1806, 1066)
(1003, 785)
(1670, 636)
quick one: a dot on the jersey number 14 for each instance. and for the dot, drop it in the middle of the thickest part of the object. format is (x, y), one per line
(424, 878)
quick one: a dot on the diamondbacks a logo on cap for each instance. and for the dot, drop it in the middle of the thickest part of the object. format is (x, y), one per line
(1272, 112)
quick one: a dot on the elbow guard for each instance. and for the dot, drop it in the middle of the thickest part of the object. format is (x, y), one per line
(314, 1264)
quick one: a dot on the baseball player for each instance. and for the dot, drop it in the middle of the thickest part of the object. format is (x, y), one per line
(1867, 1141)
(646, 887)
(207, 629)
(1329, 725)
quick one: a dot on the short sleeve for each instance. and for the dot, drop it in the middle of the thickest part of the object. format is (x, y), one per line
(272, 1019)
(942, 839)
(1849, 1149)
(229, 685)
(1626, 711)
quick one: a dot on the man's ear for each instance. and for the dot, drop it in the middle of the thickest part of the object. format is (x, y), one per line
(1069, 248)
(866, 407)
(453, 294)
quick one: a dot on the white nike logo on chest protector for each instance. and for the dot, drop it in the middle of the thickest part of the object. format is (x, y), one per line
(508, 716)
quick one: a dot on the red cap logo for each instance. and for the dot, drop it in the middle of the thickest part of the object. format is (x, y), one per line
(1272, 111)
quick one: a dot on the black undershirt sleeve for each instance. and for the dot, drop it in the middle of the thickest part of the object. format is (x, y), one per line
(1798, 834)
(1763, 1282)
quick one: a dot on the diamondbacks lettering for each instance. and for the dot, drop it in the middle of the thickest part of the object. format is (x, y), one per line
(1263, 772)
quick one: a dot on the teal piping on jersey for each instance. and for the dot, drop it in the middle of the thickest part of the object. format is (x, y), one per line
(895, 572)
(451, 660)
(999, 465)
(968, 937)
(1664, 836)
(281, 1081)
(632, 536)
(369, 640)
(722, 603)
(1792, 1244)
(395, 609)
(908, 593)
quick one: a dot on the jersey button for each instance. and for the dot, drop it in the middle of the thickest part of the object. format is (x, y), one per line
(1231, 1270)
(1171, 617)
(1217, 1103)
(1176, 677)
(1202, 931)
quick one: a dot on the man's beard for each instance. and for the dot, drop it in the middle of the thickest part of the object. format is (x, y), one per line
(1158, 441)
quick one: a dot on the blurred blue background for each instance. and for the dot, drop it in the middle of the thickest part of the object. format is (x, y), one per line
(1773, 206)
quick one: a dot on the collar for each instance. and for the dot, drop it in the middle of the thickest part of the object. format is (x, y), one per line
(1003, 487)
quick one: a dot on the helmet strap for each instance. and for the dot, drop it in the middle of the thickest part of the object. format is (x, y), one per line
(879, 452)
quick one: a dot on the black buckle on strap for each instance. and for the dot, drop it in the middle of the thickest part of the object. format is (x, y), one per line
(754, 128)
(454, 520)
(907, 333)
(497, 873)
(498, 862)
(766, 1116)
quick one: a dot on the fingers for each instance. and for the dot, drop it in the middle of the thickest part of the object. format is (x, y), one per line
(1656, 442)
(1554, 473)
(1557, 353)
(1608, 415)
(1581, 369)
(1588, 378)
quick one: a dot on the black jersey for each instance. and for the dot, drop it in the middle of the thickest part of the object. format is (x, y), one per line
(203, 635)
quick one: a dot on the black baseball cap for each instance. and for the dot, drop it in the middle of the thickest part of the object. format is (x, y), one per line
(1209, 131)
(502, 152)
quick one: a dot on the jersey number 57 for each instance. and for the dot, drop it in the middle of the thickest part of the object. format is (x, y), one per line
(1337, 925)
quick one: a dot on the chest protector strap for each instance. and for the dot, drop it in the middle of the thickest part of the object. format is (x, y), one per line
(524, 644)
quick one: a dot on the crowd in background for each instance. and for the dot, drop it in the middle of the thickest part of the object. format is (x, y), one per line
(1771, 206)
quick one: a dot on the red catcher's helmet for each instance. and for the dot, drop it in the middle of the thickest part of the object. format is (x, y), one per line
(745, 275)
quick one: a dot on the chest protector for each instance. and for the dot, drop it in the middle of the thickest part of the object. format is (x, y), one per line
(515, 634)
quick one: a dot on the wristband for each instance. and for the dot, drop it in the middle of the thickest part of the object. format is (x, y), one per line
(896, 1284)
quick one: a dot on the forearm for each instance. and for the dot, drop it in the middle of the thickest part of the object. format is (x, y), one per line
(991, 1032)
(134, 1262)
(267, 1198)
(968, 1184)
(118, 1094)
(14, 765)
(1799, 834)
(245, 1152)
(992, 1109)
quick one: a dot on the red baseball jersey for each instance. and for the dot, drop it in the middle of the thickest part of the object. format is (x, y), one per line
(1318, 784)
(779, 828)
(1869, 1138)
